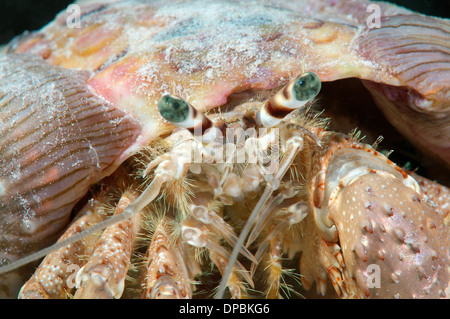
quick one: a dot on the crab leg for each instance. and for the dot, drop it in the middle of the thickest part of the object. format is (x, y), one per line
(218, 225)
(220, 257)
(166, 274)
(274, 241)
(274, 268)
(289, 216)
(104, 274)
(269, 212)
(264, 219)
(198, 235)
(311, 268)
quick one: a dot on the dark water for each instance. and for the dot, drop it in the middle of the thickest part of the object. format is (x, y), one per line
(16, 16)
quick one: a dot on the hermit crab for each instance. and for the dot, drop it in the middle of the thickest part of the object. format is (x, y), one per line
(150, 148)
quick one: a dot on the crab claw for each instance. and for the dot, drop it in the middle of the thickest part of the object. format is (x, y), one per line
(391, 241)
(390, 234)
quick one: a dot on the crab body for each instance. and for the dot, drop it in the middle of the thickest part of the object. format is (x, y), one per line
(341, 204)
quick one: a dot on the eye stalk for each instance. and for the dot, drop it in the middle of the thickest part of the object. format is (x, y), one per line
(306, 87)
(174, 109)
(182, 114)
(295, 95)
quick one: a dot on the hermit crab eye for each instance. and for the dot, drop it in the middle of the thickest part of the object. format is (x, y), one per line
(306, 87)
(173, 109)
(182, 114)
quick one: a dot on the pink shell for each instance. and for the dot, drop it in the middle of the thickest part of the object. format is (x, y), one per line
(57, 139)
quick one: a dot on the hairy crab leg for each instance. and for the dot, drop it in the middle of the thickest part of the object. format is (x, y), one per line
(289, 192)
(274, 268)
(216, 224)
(166, 274)
(237, 288)
(311, 269)
(104, 274)
(288, 217)
(198, 235)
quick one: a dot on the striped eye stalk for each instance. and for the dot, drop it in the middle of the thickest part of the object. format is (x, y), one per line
(182, 114)
(296, 94)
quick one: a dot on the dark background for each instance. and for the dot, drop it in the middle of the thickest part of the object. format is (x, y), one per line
(16, 16)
